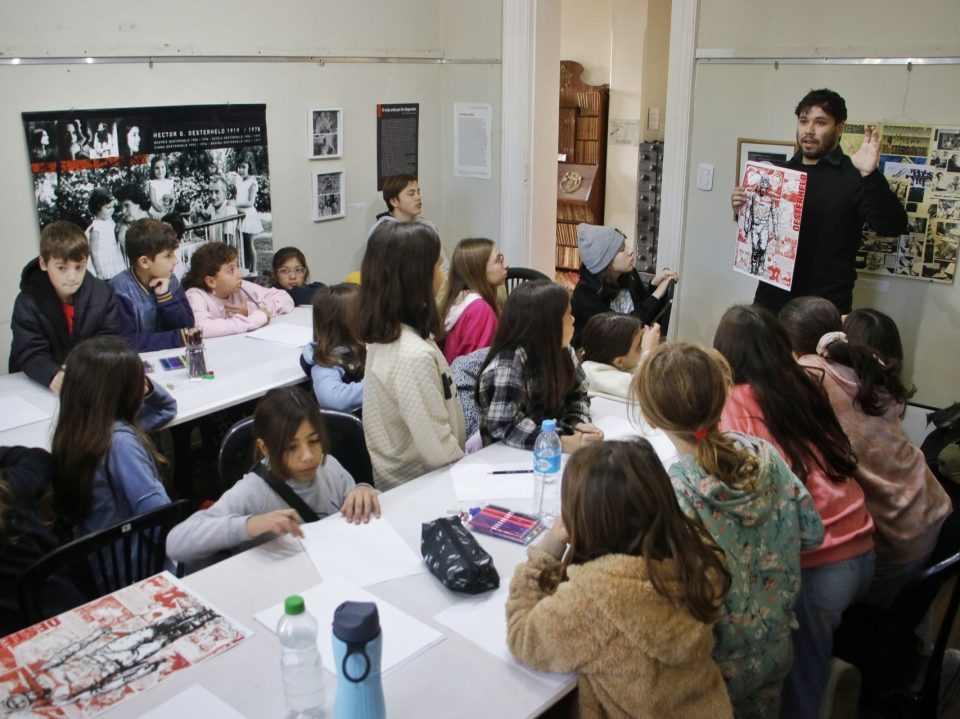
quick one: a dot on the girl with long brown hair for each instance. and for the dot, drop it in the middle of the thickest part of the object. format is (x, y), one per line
(412, 417)
(335, 358)
(624, 590)
(106, 465)
(530, 373)
(470, 309)
(775, 399)
(744, 495)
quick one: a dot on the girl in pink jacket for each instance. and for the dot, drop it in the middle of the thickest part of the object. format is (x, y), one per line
(470, 310)
(906, 501)
(223, 303)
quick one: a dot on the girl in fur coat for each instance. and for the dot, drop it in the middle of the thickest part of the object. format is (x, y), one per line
(623, 590)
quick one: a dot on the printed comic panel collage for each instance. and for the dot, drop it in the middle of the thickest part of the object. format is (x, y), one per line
(922, 165)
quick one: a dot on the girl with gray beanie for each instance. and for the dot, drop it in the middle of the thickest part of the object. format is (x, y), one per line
(609, 282)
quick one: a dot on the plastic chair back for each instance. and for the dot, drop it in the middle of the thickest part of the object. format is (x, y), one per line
(236, 453)
(99, 563)
(348, 444)
(519, 275)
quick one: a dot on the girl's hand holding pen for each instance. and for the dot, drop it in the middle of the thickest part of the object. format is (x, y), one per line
(279, 522)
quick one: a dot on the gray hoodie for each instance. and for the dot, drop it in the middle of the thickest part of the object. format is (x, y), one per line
(224, 525)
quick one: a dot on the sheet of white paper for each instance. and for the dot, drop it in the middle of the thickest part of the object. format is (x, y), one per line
(17, 412)
(407, 636)
(364, 554)
(194, 703)
(475, 480)
(621, 428)
(283, 333)
(483, 621)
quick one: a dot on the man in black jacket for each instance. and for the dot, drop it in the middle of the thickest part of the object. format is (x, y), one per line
(843, 194)
(59, 304)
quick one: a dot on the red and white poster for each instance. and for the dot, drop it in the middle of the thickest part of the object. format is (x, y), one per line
(769, 225)
(84, 661)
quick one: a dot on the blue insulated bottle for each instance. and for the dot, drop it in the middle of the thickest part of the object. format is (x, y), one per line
(357, 643)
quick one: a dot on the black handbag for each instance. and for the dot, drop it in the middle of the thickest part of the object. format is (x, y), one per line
(454, 556)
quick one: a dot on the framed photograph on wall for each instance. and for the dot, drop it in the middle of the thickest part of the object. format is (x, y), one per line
(329, 195)
(325, 133)
(761, 151)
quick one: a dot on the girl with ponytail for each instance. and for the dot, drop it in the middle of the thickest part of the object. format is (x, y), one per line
(744, 495)
(907, 503)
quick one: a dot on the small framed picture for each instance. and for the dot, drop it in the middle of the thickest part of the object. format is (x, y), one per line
(772, 151)
(329, 195)
(325, 134)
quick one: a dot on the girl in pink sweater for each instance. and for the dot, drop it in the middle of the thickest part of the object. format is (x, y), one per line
(470, 310)
(775, 400)
(905, 500)
(223, 303)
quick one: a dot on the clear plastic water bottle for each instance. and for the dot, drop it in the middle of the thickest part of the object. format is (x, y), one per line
(300, 660)
(546, 472)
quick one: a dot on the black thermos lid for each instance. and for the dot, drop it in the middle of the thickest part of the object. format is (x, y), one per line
(355, 622)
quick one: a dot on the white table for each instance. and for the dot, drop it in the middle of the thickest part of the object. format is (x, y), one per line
(454, 678)
(244, 368)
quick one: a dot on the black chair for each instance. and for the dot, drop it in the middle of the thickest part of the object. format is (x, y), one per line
(898, 680)
(235, 458)
(99, 563)
(519, 275)
(345, 441)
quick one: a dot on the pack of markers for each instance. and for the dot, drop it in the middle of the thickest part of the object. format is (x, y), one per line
(506, 524)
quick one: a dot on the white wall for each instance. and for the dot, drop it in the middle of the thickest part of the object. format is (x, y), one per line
(757, 101)
(451, 29)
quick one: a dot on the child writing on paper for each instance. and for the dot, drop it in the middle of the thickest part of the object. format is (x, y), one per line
(334, 360)
(744, 495)
(624, 590)
(907, 503)
(289, 452)
(105, 462)
(223, 303)
(530, 373)
(613, 345)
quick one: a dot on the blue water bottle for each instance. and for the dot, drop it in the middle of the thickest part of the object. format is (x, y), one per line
(357, 644)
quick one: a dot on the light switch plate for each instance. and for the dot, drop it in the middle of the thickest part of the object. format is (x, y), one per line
(705, 177)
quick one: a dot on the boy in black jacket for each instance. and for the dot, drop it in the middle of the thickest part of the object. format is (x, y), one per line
(59, 305)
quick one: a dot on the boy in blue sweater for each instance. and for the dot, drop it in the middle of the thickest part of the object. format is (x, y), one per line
(154, 312)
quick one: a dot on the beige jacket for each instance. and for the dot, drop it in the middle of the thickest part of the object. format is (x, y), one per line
(412, 418)
(637, 653)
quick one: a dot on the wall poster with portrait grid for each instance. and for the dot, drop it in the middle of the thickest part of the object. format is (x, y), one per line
(922, 165)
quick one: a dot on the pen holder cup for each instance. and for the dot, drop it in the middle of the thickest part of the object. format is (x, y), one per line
(196, 362)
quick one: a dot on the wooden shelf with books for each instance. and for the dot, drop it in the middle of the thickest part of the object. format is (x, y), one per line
(582, 147)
